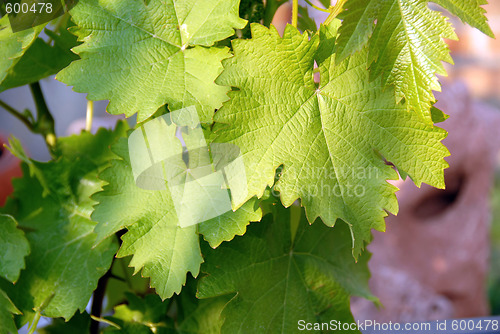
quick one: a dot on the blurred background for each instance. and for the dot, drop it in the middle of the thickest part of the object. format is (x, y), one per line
(440, 258)
(477, 64)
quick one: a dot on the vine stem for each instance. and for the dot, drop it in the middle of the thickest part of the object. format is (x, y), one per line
(335, 10)
(90, 115)
(319, 8)
(17, 114)
(44, 121)
(295, 13)
(34, 323)
(98, 300)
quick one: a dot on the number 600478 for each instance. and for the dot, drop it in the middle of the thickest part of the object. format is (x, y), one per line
(17, 8)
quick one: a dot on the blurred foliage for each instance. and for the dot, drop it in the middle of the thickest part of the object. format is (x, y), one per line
(494, 279)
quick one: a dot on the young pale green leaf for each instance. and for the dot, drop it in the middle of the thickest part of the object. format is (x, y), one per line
(280, 278)
(469, 11)
(7, 310)
(13, 45)
(158, 244)
(357, 26)
(330, 138)
(407, 50)
(64, 266)
(407, 47)
(14, 249)
(141, 55)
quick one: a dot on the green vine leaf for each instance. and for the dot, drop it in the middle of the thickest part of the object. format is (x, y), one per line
(357, 26)
(142, 55)
(330, 138)
(469, 11)
(406, 43)
(308, 277)
(7, 310)
(407, 50)
(42, 59)
(14, 45)
(64, 266)
(164, 250)
(14, 249)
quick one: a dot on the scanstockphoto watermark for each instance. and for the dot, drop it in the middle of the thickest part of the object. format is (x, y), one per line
(335, 325)
(445, 326)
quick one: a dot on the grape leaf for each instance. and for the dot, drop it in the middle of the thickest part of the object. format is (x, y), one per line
(42, 59)
(469, 11)
(357, 26)
(154, 238)
(407, 46)
(330, 138)
(7, 309)
(280, 278)
(14, 249)
(13, 45)
(360, 15)
(407, 49)
(64, 266)
(142, 55)
(165, 250)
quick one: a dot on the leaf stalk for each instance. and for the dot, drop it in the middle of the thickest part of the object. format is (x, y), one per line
(96, 308)
(44, 124)
(34, 323)
(334, 11)
(90, 116)
(19, 115)
(295, 13)
(329, 10)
